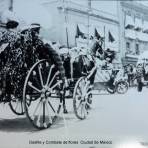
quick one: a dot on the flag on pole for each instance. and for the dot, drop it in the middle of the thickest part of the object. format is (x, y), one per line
(97, 35)
(110, 37)
(79, 33)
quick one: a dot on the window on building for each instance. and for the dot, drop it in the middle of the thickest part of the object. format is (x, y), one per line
(127, 46)
(129, 21)
(137, 49)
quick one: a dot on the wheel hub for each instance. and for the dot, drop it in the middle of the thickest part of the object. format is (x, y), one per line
(45, 92)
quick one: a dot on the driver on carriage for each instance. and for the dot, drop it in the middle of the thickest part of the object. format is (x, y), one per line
(103, 58)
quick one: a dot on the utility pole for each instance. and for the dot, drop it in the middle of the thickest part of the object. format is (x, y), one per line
(104, 37)
(88, 20)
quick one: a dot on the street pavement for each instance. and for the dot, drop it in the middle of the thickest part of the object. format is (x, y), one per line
(115, 119)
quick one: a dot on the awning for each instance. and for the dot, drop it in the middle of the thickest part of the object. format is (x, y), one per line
(138, 23)
(100, 30)
(82, 31)
(129, 22)
(81, 35)
(83, 28)
(130, 34)
(145, 26)
(112, 38)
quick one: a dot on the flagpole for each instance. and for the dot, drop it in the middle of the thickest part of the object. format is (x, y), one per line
(104, 37)
(11, 5)
(65, 17)
(89, 9)
(75, 40)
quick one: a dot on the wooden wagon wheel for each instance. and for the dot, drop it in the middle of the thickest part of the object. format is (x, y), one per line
(82, 98)
(40, 107)
(16, 105)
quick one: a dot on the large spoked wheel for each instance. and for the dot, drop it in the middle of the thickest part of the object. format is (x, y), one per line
(41, 82)
(16, 105)
(82, 98)
(122, 87)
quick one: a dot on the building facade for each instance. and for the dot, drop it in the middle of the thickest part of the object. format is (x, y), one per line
(134, 30)
(76, 22)
(123, 24)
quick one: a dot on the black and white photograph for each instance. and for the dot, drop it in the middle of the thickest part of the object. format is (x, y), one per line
(73, 73)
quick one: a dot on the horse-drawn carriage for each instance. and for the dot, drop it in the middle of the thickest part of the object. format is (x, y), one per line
(80, 71)
(30, 71)
(33, 79)
(108, 77)
(111, 79)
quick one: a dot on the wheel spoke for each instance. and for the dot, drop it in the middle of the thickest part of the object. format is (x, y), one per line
(40, 74)
(51, 106)
(59, 82)
(36, 79)
(79, 92)
(50, 118)
(17, 105)
(44, 112)
(39, 116)
(84, 110)
(49, 74)
(33, 87)
(88, 93)
(22, 107)
(81, 110)
(53, 78)
(34, 113)
(80, 103)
